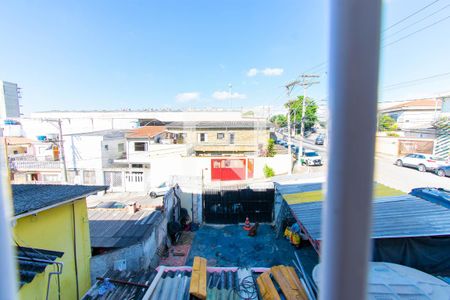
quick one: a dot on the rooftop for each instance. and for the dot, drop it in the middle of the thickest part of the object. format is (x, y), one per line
(108, 134)
(17, 140)
(220, 124)
(146, 132)
(117, 228)
(395, 215)
(121, 283)
(32, 261)
(428, 103)
(29, 198)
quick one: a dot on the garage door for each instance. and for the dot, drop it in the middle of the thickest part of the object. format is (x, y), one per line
(233, 206)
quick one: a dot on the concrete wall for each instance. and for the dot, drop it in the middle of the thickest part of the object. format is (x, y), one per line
(135, 257)
(387, 145)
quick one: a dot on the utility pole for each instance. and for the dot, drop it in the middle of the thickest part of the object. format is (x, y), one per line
(305, 84)
(289, 87)
(61, 146)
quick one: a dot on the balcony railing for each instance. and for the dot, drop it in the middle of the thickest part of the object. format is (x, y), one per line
(34, 165)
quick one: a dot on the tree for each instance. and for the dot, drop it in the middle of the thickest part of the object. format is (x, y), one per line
(268, 171)
(386, 123)
(295, 109)
(271, 148)
(279, 120)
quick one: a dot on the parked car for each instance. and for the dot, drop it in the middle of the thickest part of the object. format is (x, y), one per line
(420, 161)
(320, 139)
(443, 171)
(311, 158)
(160, 190)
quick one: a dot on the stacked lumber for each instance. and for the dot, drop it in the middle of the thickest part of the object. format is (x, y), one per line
(198, 278)
(287, 280)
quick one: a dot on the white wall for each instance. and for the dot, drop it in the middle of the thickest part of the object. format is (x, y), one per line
(279, 163)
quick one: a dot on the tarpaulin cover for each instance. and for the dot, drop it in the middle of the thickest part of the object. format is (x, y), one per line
(428, 254)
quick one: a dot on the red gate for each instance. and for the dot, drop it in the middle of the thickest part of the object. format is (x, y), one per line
(228, 169)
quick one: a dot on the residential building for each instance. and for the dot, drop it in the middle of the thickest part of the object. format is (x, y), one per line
(9, 100)
(222, 138)
(33, 161)
(51, 233)
(414, 114)
(89, 154)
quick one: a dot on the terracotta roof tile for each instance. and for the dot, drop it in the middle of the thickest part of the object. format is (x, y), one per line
(146, 131)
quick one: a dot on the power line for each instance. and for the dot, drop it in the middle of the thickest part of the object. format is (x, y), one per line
(424, 18)
(390, 27)
(414, 81)
(411, 15)
(417, 31)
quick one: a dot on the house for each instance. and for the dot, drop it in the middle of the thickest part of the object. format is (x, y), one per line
(127, 239)
(89, 154)
(222, 138)
(34, 160)
(51, 234)
(414, 114)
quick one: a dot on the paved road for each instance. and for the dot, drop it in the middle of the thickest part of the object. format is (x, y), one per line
(405, 179)
(386, 172)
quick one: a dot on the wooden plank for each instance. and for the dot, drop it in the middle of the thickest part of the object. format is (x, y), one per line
(197, 287)
(289, 283)
(266, 287)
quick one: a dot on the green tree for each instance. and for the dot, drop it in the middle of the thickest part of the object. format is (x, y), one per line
(386, 123)
(268, 171)
(295, 109)
(279, 120)
(271, 148)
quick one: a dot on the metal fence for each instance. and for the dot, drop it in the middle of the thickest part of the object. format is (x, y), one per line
(227, 206)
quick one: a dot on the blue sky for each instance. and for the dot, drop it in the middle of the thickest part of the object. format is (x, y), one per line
(144, 54)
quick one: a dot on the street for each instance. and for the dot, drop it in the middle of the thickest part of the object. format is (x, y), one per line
(401, 178)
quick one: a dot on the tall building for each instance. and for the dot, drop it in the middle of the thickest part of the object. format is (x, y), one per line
(9, 100)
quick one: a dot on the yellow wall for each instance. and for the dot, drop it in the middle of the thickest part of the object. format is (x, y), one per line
(53, 230)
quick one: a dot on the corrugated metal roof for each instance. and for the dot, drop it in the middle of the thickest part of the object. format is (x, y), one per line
(132, 285)
(117, 228)
(31, 197)
(221, 284)
(33, 261)
(400, 216)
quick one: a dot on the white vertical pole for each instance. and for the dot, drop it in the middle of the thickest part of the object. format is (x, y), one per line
(289, 138)
(353, 82)
(8, 284)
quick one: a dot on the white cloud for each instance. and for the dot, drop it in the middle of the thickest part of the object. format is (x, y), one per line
(265, 72)
(272, 71)
(252, 72)
(187, 97)
(224, 95)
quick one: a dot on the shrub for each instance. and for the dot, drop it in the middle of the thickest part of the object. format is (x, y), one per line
(268, 171)
(393, 134)
(271, 148)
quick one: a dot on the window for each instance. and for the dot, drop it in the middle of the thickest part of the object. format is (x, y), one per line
(202, 137)
(106, 147)
(231, 138)
(140, 146)
(138, 166)
(121, 147)
(220, 136)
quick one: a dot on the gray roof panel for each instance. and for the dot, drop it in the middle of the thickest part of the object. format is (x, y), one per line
(393, 217)
(31, 197)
